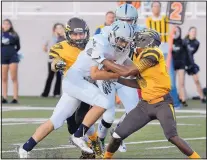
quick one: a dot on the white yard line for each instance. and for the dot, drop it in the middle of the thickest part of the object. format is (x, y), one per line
(128, 143)
(12, 108)
(156, 141)
(23, 121)
(163, 147)
(42, 149)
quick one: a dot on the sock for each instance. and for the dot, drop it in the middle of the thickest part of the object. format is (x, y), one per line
(93, 137)
(91, 130)
(103, 128)
(108, 155)
(102, 139)
(81, 131)
(194, 156)
(29, 145)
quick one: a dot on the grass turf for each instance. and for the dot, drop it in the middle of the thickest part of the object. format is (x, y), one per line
(48, 148)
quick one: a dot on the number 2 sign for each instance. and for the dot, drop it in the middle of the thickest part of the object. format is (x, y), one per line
(176, 12)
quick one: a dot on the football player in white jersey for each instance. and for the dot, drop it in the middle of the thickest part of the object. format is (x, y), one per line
(77, 36)
(115, 47)
(128, 96)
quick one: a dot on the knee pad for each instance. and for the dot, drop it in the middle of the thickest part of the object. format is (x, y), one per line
(102, 101)
(57, 122)
(109, 115)
(105, 124)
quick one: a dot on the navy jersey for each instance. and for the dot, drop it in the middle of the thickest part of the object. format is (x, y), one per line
(191, 47)
(10, 44)
(179, 50)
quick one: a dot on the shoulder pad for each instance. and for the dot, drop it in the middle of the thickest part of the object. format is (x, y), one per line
(100, 39)
(105, 30)
(59, 45)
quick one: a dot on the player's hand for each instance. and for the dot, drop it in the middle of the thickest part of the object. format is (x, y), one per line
(60, 65)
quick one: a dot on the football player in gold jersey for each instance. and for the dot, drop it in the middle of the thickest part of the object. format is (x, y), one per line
(153, 80)
(64, 54)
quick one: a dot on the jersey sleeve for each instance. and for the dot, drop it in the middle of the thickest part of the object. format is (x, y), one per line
(148, 59)
(151, 54)
(55, 50)
(197, 44)
(95, 50)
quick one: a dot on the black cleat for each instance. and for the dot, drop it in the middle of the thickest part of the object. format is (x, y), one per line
(86, 155)
(4, 101)
(97, 148)
(203, 101)
(184, 104)
(14, 101)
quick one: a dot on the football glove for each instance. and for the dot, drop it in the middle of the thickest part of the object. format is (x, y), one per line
(60, 65)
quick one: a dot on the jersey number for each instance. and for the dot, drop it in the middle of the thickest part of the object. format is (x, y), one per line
(177, 9)
(176, 12)
(58, 46)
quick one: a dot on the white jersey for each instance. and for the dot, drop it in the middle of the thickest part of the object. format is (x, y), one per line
(97, 47)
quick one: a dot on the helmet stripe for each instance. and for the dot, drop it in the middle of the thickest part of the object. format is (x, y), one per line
(130, 30)
(126, 9)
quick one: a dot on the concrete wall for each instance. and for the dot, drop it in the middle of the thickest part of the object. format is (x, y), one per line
(34, 31)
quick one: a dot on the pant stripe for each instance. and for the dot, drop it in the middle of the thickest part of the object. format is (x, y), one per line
(172, 109)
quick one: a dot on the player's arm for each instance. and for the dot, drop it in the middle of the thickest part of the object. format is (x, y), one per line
(148, 59)
(129, 82)
(57, 64)
(124, 71)
(96, 52)
(97, 74)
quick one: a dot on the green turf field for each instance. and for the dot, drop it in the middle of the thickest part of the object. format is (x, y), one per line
(20, 121)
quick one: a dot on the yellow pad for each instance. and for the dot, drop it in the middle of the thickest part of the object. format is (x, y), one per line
(108, 155)
(93, 137)
(195, 156)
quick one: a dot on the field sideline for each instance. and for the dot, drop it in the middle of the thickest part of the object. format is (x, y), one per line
(20, 121)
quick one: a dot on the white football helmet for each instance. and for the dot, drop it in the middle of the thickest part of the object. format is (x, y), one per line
(127, 12)
(121, 35)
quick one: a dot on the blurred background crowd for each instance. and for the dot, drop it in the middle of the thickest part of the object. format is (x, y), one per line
(29, 29)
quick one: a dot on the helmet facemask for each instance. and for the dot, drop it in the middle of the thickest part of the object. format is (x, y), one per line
(130, 20)
(77, 38)
(144, 39)
(120, 44)
(77, 33)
